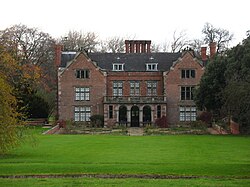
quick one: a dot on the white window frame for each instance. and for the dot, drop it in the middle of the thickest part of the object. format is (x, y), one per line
(152, 88)
(82, 93)
(134, 88)
(152, 67)
(187, 113)
(118, 88)
(82, 113)
(118, 67)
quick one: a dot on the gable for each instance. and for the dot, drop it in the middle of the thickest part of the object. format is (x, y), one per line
(78, 61)
(187, 61)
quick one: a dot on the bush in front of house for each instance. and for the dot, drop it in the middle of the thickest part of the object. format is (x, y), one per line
(205, 117)
(97, 120)
(162, 122)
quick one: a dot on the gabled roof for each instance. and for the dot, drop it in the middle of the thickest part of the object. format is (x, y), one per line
(131, 61)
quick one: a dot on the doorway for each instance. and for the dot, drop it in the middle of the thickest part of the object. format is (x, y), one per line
(135, 116)
(123, 115)
(147, 115)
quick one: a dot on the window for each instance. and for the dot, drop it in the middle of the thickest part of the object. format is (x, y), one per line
(151, 88)
(117, 88)
(82, 113)
(187, 73)
(110, 112)
(82, 74)
(158, 111)
(187, 92)
(152, 67)
(134, 88)
(82, 93)
(118, 67)
(187, 113)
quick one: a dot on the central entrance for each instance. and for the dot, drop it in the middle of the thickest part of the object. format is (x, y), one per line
(135, 116)
(123, 115)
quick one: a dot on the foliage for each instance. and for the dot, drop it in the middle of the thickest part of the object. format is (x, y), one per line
(237, 91)
(209, 94)
(32, 52)
(205, 117)
(198, 124)
(9, 118)
(37, 107)
(97, 120)
(225, 86)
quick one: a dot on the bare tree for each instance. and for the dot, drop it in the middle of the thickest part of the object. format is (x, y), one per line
(196, 44)
(75, 40)
(28, 45)
(179, 41)
(155, 48)
(165, 46)
(221, 36)
(113, 45)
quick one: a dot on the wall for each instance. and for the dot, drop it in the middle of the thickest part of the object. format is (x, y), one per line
(67, 82)
(173, 83)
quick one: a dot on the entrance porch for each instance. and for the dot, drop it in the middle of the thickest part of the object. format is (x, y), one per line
(132, 115)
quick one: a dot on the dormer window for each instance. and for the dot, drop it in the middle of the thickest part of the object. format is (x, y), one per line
(152, 67)
(118, 67)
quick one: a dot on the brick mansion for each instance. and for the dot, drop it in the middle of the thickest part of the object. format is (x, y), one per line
(132, 88)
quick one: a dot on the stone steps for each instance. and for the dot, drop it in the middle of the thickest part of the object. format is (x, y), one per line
(135, 131)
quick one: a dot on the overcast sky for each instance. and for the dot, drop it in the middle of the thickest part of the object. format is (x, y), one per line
(154, 20)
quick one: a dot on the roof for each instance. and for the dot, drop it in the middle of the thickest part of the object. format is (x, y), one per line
(131, 61)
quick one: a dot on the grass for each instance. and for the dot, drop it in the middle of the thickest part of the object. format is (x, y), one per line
(123, 182)
(213, 156)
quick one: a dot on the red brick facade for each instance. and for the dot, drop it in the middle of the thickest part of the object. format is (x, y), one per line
(67, 82)
(132, 98)
(174, 82)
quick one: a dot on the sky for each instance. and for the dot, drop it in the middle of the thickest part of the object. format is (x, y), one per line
(154, 20)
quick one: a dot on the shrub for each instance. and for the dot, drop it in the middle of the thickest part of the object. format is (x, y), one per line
(161, 122)
(97, 120)
(198, 124)
(205, 117)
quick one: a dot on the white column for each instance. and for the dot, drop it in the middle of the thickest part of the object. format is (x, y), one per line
(117, 116)
(129, 117)
(141, 118)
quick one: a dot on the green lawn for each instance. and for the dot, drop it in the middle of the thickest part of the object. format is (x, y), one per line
(123, 182)
(213, 156)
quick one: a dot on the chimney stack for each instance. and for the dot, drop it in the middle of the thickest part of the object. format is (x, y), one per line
(137, 46)
(212, 47)
(58, 50)
(204, 53)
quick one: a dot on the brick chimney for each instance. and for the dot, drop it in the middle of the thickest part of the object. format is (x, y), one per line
(58, 50)
(204, 53)
(212, 47)
(137, 46)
